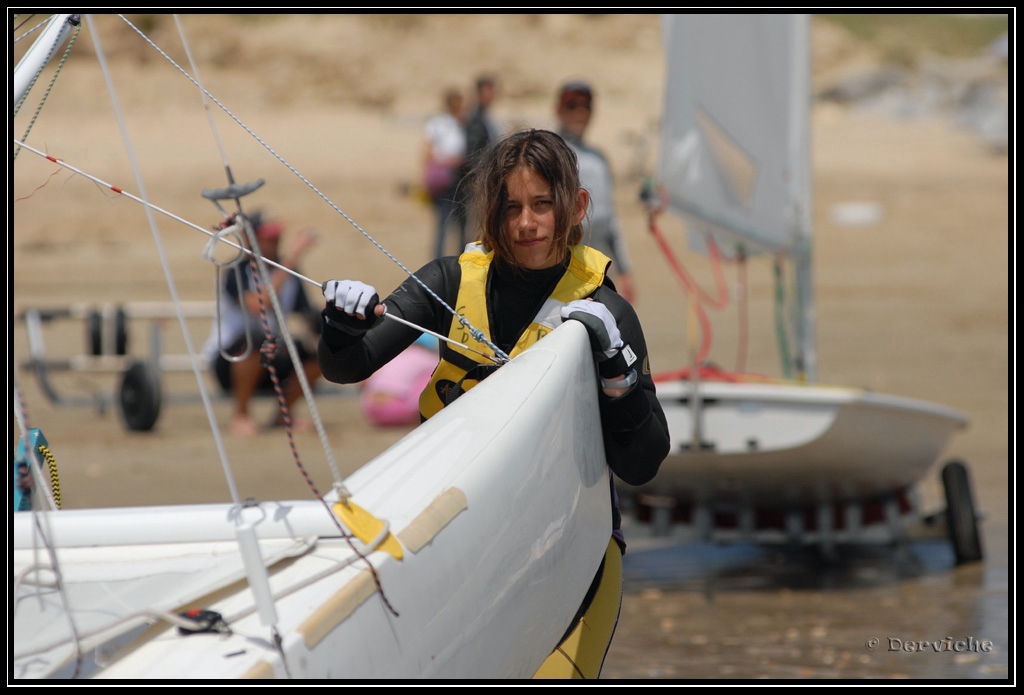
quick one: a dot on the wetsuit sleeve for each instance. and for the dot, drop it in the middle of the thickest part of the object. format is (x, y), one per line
(347, 358)
(636, 438)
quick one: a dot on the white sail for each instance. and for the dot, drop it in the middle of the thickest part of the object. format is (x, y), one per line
(735, 144)
(735, 140)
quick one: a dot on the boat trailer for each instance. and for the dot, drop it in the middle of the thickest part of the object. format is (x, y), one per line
(138, 395)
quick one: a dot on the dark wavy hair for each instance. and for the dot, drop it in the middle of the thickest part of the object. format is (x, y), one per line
(548, 156)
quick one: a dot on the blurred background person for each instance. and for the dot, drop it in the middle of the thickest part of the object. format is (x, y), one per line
(444, 155)
(239, 307)
(481, 131)
(573, 108)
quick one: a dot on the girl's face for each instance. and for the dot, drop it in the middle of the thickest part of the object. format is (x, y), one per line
(530, 218)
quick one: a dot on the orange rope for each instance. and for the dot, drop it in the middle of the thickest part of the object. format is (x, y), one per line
(685, 279)
(691, 288)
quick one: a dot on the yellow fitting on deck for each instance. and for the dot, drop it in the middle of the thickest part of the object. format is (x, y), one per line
(366, 527)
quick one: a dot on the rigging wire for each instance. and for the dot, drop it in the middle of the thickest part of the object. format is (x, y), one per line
(222, 240)
(31, 31)
(264, 275)
(161, 254)
(477, 334)
(202, 95)
(257, 259)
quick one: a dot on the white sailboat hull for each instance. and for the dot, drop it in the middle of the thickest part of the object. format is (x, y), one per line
(787, 446)
(501, 506)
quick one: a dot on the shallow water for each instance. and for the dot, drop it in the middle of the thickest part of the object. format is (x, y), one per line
(699, 611)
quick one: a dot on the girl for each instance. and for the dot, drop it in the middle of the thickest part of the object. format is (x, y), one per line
(526, 275)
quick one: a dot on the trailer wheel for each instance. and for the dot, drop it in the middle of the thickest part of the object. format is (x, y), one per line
(140, 396)
(961, 517)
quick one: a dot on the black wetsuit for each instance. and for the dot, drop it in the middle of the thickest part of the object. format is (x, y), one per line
(635, 430)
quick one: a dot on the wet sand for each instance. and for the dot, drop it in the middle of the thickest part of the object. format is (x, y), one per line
(914, 304)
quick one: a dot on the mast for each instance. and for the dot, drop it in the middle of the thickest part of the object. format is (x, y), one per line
(33, 62)
(806, 358)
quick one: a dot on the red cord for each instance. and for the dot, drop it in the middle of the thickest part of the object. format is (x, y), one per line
(690, 287)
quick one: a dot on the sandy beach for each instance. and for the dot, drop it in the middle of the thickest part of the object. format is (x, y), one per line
(914, 302)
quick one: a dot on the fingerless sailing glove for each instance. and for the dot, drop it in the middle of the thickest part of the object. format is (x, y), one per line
(347, 301)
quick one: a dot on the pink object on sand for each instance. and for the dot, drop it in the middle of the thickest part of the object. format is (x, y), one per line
(391, 396)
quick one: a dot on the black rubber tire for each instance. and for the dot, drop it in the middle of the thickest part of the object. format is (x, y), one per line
(139, 396)
(961, 517)
(94, 338)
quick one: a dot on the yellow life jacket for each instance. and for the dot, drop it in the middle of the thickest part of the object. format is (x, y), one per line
(585, 273)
